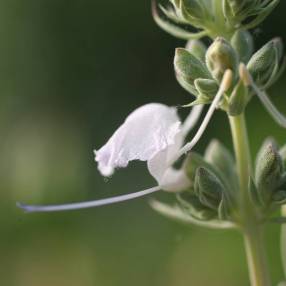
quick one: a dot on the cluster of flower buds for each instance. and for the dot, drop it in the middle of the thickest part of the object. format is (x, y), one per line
(247, 13)
(212, 18)
(199, 70)
(212, 194)
(212, 199)
(269, 188)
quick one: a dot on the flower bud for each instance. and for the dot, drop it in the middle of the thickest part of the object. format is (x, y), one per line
(266, 63)
(197, 48)
(268, 171)
(242, 42)
(208, 188)
(188, 67)
(221, 57)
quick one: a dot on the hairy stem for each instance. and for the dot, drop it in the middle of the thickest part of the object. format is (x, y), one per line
(252, 230)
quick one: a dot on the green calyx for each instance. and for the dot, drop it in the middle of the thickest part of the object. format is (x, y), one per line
(267, 64)
(214, 183)
(270, 177)
(211, 18)
(197, 48)
(242, 42)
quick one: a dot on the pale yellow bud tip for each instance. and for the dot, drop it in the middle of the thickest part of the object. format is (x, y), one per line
(244, 75)
(227, 80)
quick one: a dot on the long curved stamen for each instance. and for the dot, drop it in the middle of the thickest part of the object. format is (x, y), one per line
(225, 85)
(192, 119)
(91, 204)
(274, 112)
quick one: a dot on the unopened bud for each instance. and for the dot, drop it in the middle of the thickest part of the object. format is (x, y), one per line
(242, 42)
(221, 57)
(265, 64)
(268, 171)
(189, 67)
(197, 48)
(208, 188)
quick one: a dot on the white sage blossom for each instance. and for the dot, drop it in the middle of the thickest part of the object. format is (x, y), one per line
(152, 133)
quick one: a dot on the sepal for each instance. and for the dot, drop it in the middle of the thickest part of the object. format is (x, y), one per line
(188, 67)
(197, 48)
(208, 188)
(267, 64)
(242, 42)
(268, 172)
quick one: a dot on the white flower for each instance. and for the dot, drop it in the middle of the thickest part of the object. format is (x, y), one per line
(152, 133)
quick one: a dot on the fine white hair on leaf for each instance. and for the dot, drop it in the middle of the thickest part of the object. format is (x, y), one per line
(89, 204)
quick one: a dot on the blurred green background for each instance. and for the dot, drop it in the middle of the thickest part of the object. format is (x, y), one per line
(71, 70)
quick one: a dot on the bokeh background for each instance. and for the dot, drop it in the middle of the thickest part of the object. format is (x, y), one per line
(70, 72)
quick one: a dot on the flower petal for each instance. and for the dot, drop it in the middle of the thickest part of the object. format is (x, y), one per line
(160, 167)
(146, 131)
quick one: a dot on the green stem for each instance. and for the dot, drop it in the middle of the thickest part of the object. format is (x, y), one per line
(242, 152)
(250, 224)
(256, 256)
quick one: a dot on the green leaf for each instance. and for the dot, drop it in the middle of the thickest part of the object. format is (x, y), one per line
(177, 214)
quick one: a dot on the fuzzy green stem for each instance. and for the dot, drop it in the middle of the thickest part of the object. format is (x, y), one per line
(249, 221)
